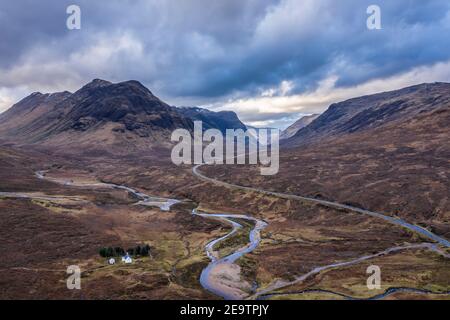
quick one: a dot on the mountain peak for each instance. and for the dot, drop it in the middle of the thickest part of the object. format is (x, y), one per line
(113, 116)
(101, 82)
(125, 87)
(96, 83)
(134, 85)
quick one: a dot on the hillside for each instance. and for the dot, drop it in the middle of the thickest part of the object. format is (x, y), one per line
(119, 117)
(374, 111)
(297, 125)
(221, 120)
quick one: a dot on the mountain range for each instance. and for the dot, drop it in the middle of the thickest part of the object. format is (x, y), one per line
(399, 108)
(120, 117)
(386, 153)
(126, 116)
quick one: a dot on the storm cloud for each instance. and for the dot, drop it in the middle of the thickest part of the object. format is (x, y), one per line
(269, 60)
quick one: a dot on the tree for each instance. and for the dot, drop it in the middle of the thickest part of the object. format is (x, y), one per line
(119, 251)
(137, 250)
(145, 251)
(103, 252)
(109, 252)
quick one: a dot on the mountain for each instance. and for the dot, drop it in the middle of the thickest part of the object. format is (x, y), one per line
(28, 110)
(221, 120)
(369, 112)
(122, 116)
(297, 125)
(386, 152)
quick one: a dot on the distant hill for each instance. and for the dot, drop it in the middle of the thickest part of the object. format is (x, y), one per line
(221, 120)
(374, 111)
(297, 125)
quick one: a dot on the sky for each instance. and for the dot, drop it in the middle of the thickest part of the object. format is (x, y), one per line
(271, 61)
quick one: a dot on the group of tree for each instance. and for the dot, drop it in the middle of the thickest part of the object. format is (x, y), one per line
(139, 250)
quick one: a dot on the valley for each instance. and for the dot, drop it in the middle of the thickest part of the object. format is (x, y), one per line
(178, 239)
(377, 195)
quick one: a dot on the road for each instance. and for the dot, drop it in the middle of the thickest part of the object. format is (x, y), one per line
(330, 204)
(282, 284)
(220, 268)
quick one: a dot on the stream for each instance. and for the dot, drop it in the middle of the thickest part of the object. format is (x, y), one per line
(144, 199)
(210, 276)
(206, 279)
(165, 204)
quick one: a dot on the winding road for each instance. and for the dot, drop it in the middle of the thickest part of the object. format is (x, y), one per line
(399, 222)
(207, 278)
(414, 228)
(219, 268)
(282, 284)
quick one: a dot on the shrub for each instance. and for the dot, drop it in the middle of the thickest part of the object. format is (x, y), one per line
(145, 250)
(139, 250)
(119, 251)
(102, 252)
(110, 252)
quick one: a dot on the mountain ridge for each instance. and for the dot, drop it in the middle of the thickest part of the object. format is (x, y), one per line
(373, 111)
(221, 120)
(297, 125)
(122, 117)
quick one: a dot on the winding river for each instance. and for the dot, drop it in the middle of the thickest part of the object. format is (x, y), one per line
(206, 280)
(282, 284)
(208, 277)
(380, 296)
(144, 199)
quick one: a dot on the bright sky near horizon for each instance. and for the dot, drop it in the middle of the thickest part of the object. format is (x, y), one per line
(268, 60)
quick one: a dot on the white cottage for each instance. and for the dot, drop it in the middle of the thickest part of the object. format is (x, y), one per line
(127, 259)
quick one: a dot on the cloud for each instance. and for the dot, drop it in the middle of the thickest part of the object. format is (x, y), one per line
(279, 111)
(221, 52)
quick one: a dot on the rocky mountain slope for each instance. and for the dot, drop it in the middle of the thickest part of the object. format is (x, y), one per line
(374, 111)
(103, 116)
(297, 125)
(221, 120)
(123, 116)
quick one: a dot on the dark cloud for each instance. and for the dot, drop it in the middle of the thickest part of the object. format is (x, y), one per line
(210, 50)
